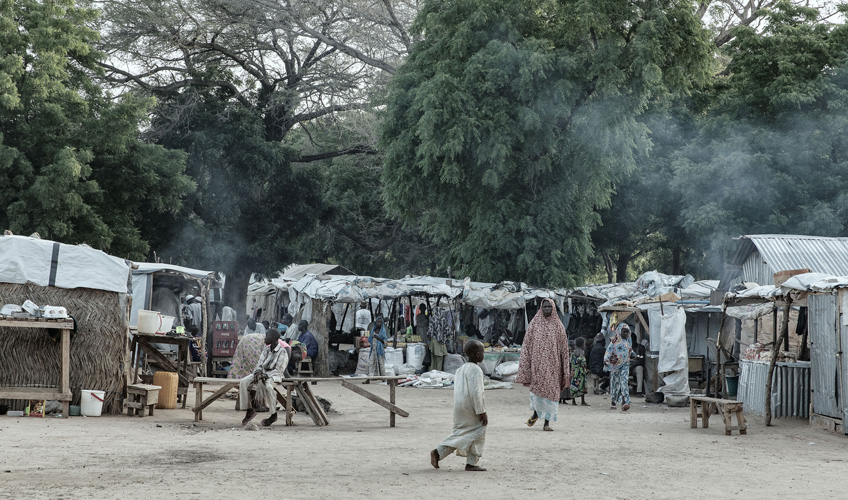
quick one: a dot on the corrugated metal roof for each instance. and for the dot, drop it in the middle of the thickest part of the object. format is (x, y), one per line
(785, 252)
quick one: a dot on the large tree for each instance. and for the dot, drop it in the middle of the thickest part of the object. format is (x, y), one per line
(509, 121)
(72, 166)
(771, 155)
(235, 79)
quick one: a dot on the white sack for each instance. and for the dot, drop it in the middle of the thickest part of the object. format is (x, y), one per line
(415, 355)
(452, 363)
(506, 369)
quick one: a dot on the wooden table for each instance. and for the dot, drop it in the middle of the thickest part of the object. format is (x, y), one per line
(62, 393)
(301, 387)
(144, 341)
(724, 407)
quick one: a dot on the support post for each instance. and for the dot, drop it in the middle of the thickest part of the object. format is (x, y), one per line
(784, 328)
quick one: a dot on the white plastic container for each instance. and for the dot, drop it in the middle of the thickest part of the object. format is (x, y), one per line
(91, 404)
(149, 321)
(167, 323)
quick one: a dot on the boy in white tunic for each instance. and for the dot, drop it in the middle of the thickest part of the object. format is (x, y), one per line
(469, 413)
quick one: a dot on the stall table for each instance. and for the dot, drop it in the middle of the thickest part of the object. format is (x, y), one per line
(144, 341)
(304, 392)
(63, 392)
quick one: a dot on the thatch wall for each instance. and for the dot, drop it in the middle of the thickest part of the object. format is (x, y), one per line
(99, 349)
(320, 328)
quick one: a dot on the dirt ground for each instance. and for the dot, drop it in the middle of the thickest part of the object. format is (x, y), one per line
(649, 452)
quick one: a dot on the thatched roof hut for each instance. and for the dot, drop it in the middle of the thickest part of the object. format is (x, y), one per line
(93, 287)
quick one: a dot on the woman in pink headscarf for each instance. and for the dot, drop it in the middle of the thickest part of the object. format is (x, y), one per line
(545, 364)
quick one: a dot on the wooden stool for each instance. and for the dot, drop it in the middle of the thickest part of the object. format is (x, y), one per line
(305, 367)
(725, 409)
(139, 396)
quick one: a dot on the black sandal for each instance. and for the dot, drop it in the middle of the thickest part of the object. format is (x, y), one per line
(532, 421)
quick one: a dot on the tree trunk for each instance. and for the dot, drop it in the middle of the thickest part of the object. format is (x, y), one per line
(675, 261)
(608, 267)
(235, 291)
(621, 267)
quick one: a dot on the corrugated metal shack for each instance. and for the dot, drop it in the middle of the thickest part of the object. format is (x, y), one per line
(827, 300)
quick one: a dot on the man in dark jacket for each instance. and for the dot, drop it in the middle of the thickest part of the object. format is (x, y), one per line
(599, 376)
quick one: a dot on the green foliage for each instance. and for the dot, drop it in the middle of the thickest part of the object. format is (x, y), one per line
(771, 155)
(250, 205)
(355, 230)
(509, 122)
(71, 164)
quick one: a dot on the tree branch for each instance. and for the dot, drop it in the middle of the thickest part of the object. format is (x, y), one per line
(358, 149)
(344, 48)
(371, 248)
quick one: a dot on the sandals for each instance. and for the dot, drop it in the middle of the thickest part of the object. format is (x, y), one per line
(625, 407)
(532, 421)
(547, 428)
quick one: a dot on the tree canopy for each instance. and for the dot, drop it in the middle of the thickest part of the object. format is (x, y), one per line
(72, 165)
(509, 121)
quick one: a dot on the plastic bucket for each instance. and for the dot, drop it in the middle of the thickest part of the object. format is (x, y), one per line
(74, 410)
(91, 403)
(149, 321)
(167, 323)
(732, 385)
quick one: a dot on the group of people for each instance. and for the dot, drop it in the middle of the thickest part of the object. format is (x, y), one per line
(549, 367)
(279, 351)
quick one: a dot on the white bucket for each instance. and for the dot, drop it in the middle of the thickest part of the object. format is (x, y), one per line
(149, 321)
(167, 323)
(91, 404)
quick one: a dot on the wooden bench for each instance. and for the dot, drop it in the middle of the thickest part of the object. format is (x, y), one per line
(725, 409)
(301, 387)
(140, 396)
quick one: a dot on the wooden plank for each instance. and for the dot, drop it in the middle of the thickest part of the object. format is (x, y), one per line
(693, 413)
(198, 399)
(165, 362)
(215, 395)
(62, 324)
(373, 397)
(316, 403)
(308, 404)
(392, 385)
(34, 393)
(288, 405)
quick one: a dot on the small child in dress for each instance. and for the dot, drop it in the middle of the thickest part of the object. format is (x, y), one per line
(579, 370)
(469, 413)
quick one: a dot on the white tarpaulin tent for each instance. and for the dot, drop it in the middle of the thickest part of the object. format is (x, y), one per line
(142, 283)
(49, 263)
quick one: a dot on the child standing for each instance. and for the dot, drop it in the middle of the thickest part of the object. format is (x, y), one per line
(578, 372)
(469, 413)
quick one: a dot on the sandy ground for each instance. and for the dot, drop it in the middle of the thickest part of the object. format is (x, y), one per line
(649, 452)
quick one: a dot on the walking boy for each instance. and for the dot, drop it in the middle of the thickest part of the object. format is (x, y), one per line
(469, 413)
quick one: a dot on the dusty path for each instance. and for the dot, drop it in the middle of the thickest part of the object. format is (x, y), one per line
(649, 452)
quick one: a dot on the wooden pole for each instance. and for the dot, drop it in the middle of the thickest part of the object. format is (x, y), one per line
(784, 329)
(393, 323)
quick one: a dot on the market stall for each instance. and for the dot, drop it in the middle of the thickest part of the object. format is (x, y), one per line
(49, 359)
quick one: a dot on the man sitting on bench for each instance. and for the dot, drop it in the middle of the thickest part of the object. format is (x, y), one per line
(269, 370)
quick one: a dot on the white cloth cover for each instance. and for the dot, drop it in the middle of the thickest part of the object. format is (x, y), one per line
(31, 260)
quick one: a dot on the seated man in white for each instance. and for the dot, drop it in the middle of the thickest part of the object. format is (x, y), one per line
(269, 370)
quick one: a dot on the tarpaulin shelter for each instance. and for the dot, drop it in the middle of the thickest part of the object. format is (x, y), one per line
(95, 289)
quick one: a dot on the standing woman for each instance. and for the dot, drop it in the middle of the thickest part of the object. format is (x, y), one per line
(544, 365)
(617, 360)
(377, 358)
